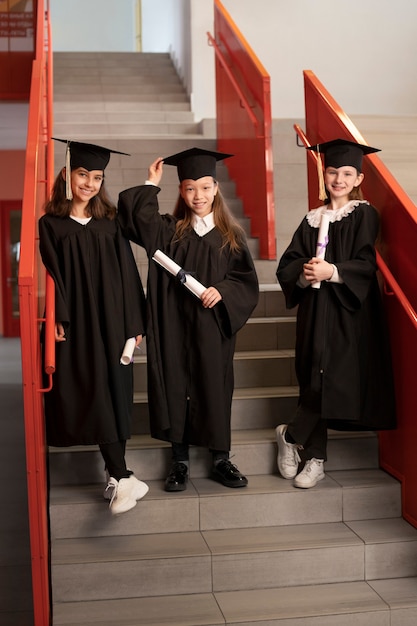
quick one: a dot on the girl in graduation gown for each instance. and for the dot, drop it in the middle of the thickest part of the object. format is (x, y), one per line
(342, 350)
(99, 305)
(191, 341)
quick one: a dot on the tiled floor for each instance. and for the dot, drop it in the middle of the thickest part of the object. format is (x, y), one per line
(15, 570)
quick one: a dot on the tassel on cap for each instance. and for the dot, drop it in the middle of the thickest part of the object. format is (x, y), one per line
(320, 175)
(68, 189)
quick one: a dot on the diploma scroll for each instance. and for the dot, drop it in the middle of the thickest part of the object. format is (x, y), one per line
(173, 268)
(128, 350)
(322, 241)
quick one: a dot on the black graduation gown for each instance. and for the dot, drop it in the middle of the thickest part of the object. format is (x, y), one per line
(100, 301)
(342, 348)
(189, 348)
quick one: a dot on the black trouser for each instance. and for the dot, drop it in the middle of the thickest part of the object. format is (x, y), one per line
(114, 459)
(307, 427)
(180, 452)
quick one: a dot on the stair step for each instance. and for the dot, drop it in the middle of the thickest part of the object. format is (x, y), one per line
(116, 106)
(371, 603)
(269, 500)
(257, 407)
(267, 333)
(254, 451)
(129, 117)
(266, 554)
(232, 560)
(251, 368)
(110, 97)
(130, 129)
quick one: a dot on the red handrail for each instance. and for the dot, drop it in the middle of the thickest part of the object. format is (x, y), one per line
(244, 125)
(235, 84)
(49, 359)
(397, 261)
(31, 299)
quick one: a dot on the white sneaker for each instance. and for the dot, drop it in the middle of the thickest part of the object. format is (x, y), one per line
(125, 494)
(311, 474)
(108, 492)
(288, 457)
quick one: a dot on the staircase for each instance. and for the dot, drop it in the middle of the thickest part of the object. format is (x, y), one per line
(269, 554)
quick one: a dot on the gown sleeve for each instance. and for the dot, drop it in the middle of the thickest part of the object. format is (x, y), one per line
(240, 293)
(358, 272)
(49, 252)
(291, 265)
(139, 217)
(134, 302)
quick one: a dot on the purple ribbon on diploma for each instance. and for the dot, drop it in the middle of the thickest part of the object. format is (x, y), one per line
(323, 236)
(322, 246)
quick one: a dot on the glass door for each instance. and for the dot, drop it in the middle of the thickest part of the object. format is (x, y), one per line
(11, 217)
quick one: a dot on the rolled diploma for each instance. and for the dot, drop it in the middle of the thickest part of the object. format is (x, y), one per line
(127, 354)
(191, 283)
(322, 241)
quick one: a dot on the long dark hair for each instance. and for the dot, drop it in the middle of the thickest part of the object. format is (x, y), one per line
(232, 233)
(98, 207)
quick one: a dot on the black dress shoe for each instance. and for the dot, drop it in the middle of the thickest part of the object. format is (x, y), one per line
(228, 474)
(177, 477)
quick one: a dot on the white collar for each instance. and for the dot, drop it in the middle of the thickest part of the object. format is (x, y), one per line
(313, 217)
(203, 224)
(80, 220)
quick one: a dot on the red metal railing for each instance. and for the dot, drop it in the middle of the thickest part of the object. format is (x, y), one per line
(38, 177)
(244, 126)
(397, 262)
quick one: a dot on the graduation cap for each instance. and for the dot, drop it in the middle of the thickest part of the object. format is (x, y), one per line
(86, 155)
(338, 153)
(196, 163)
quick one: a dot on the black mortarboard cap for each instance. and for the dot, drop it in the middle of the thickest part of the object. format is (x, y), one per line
(87, 155)
(341, 152)
(196, 163)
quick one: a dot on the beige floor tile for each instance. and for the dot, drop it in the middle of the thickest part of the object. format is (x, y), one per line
(379, 501)
(180, 610)
(397, 592)
(362, 478)
(130, 548)
(368, 494)
(401, 596)
(276, 538)
(391, 547)
(179, 513)
(391, 559)
(285, 568)
(131, 579)
(382, 531)
(299, 602)
(286, 506)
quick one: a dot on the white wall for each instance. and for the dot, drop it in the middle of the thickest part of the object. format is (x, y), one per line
(203, 98)
(93, 25)
(166, 28)
(363, 51)
(179, 27)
